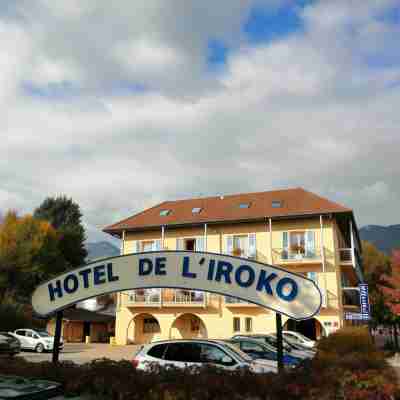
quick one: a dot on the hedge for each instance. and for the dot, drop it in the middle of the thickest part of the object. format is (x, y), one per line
(339, 371)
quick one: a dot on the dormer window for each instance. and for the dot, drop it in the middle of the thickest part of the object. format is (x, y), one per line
(276, 204)
(164, 213)
(196, 210)
(244, 205)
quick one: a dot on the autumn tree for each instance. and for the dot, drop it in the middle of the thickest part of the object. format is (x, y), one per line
(66, 218)
(29, 254)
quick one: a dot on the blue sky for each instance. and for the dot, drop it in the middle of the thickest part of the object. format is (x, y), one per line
(123, 107)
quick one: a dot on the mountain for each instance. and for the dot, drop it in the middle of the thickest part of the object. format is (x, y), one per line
(385, 238)
(103, 249)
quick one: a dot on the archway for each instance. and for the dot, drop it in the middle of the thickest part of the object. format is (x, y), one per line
(188, 326)
(310, 328)
(143, 328)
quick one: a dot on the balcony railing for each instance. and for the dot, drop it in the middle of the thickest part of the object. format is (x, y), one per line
(294, 255)
(184, 298)
(163, 298)
(148, 297)
(345, 255)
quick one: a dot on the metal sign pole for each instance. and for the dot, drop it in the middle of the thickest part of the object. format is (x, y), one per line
(279, 338)
(57, 337)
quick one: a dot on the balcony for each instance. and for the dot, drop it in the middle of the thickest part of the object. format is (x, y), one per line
(345, 256)
(292, 256)
(183, 298)
(235, 302)
(144, 298)
(351, 298)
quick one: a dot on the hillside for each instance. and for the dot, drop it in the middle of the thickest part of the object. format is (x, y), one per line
(103, 249)
(385, 238)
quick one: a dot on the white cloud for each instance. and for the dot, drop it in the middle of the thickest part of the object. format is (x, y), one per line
(306, 110)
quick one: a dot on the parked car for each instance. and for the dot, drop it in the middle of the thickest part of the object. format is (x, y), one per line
(256, 350)
(270, 339)
(9, 345)
(195, 352)
(296, 337)
(298, 348)
(39, 341)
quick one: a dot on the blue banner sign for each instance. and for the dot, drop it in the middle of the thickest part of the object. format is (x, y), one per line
(364, 300)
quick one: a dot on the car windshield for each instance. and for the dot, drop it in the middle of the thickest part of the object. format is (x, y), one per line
(43, 334)
(239, 353)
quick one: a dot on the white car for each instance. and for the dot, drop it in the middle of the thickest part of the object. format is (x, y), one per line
(299, 338)
(35, 340)
(196, 352)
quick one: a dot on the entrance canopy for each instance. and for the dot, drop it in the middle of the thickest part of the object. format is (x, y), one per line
(268, 286)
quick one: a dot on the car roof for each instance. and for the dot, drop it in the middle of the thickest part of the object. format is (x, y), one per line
(170, 341)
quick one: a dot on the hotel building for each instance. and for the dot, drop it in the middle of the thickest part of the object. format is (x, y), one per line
(293, 229)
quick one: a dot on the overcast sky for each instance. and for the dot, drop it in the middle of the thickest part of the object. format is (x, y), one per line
(122, 104)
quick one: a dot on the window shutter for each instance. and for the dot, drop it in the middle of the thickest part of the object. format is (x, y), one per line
(157, 245)
(200, 243)
(285, 245)
(179, 244)
(229, 245)
(310, 244)
(252, 249)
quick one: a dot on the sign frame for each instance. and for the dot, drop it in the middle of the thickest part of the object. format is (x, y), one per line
(182, 253)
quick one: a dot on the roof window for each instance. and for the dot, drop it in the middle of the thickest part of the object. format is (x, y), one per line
(244, 205)
(276, 203)
(196, 210)
(164, 213)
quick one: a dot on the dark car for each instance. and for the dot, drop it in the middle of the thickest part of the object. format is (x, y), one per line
(9, 345)
(256, 349)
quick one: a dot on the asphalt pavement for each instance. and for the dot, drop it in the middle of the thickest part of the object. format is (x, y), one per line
(81, 353)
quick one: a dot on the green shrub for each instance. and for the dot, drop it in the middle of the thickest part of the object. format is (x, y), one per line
(348, 340)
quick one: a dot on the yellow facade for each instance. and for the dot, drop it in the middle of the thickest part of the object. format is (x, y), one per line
(141, 320)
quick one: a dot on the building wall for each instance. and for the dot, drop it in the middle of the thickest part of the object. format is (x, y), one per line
(217, 317)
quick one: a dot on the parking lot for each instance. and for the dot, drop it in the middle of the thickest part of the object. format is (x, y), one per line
(82, 353)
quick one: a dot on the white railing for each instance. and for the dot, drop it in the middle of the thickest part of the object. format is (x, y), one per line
(300, 254)
(186, 297)
(146, 296)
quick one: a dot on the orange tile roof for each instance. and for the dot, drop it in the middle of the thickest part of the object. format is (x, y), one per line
(295, 202)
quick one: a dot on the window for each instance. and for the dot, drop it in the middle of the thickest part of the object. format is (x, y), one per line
(28, 334)
(244, 205)
(242, 245)
(183, 352)
(190, 244)
(250, 346)
(150, 325)
(213, 354)
(298, 245)
(249, 324)
(236, 324)
(147, 246)
(164, 213)
(276, 204)
(196, 210)
(157, 351)
(21, 332)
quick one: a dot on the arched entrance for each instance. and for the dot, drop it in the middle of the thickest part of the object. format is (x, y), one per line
(188, 326)
(143, 328)
(310, 328)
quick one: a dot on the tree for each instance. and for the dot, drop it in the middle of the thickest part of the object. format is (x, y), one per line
(65, 216)
(29, 254)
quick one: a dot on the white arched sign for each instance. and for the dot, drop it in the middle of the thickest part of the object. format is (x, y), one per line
(268, 286)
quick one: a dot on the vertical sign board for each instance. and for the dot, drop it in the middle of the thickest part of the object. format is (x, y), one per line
(364, 301)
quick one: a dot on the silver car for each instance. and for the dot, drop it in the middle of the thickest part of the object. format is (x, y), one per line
(197, 352)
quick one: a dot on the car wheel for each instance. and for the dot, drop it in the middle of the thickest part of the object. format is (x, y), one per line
(39, 348)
